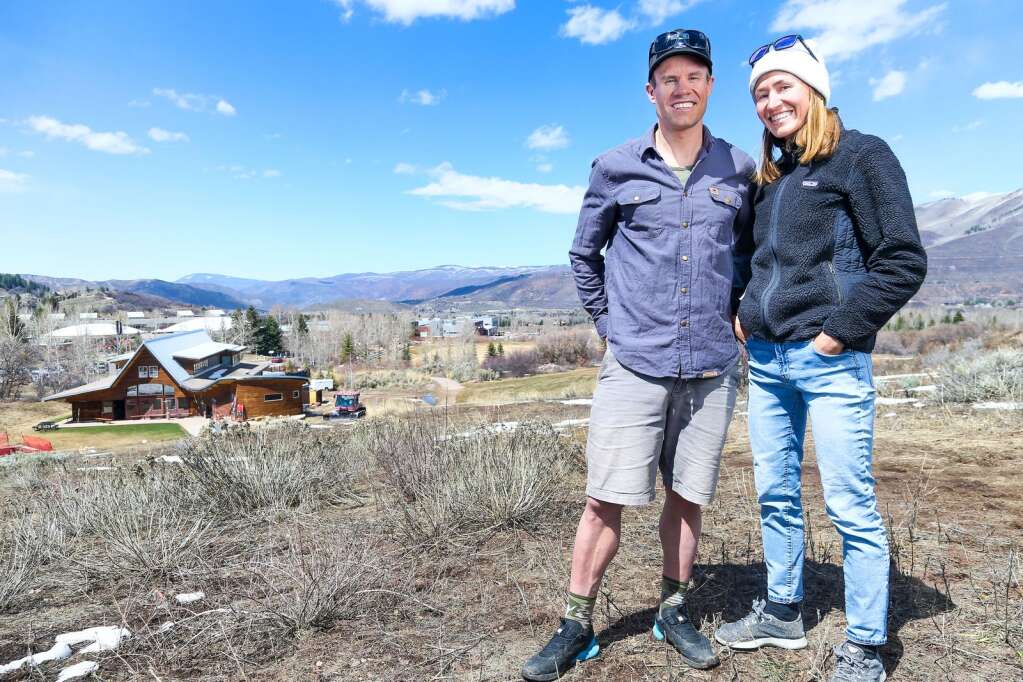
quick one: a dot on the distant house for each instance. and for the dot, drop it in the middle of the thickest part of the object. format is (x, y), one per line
(185, 374)
(451, 327)
(94, 330)
(210, 324)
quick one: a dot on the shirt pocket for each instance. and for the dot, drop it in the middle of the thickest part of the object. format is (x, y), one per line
(639, 210)
(724, 205)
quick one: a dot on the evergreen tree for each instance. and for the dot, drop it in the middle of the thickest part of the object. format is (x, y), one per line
(491, 350)
(958, 317)
(249, 328)
(302, 327)
(406, 353)
(347, 348)
(500, 349)
(267, 337)
(946, 319)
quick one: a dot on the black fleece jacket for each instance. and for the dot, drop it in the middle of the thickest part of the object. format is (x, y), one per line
(836, 247)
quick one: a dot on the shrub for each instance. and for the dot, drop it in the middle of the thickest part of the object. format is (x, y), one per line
(20, 560)
(972, 375)
(284, 465)
(514, 364)
(570, 348)
(474, 481)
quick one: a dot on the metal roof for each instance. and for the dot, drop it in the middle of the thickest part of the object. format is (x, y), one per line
(204, 350)
(98, 385)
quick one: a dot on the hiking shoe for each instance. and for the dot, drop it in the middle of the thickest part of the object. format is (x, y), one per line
(757, 629)
(675, 626)
(856, 664)
(571, 643)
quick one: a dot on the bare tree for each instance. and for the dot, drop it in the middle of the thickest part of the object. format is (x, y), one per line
(17, 355)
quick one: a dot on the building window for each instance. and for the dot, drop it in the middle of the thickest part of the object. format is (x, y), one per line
(273, 397)
(143, 372)
(149, 371)
(108, 407)
(200, 364)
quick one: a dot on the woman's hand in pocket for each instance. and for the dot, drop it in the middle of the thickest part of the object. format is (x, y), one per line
(828, 345)
(740, 333)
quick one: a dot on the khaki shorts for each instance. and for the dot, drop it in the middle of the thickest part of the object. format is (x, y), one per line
(640, 424)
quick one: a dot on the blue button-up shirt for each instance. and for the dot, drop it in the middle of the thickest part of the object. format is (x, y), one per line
(676, 258)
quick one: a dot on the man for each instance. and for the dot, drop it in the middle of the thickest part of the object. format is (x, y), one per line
(668, 207)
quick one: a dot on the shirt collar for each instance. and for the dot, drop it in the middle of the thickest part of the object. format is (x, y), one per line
(650, 146)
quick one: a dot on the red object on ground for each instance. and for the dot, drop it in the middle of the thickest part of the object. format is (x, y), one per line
(37, 443)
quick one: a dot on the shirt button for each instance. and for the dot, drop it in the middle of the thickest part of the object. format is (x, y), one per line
(635, 198)
(685, 258)
(684, 323)
(684, 290)
(685, 225)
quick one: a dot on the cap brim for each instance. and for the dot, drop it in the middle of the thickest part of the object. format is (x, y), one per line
(681, 50)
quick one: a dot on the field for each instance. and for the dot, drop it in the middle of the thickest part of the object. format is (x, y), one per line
(19, 418)
(435, 545)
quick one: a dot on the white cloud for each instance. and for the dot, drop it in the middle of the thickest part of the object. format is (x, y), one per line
(595, 26)
(403, 168)
(161, 135)
(657, 11)
(190, 101)
(271, 173)
(139, 103)
(844, 28)
(224, 107)
(109, 143)
(999, 90)
(407, 11)
(548, 137)
(941, 194)
(966, 127)
(27, 154)
(423, 98)
(544, 167)
(474, 193)
(889, 85)
(240, 172)
(187, 101)
(11, 181)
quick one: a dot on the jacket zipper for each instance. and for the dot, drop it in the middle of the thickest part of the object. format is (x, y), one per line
(838, 287)
(772, 232)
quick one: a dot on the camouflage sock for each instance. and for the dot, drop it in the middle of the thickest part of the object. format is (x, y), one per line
(673, 593)
(580, 609)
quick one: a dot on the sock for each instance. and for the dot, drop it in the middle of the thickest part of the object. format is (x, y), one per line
(784, 612)
(580, 609)
(673, 593)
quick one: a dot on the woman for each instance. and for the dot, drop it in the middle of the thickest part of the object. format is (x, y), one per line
(837, 254)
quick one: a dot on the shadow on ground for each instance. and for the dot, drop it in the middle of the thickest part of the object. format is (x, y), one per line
(728, 590)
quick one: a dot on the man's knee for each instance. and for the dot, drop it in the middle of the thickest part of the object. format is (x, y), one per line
(599, 512)
(676, 505)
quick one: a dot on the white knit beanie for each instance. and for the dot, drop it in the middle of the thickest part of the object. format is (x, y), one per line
(797, 61)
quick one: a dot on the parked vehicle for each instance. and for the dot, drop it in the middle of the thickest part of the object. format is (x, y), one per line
(347, 406)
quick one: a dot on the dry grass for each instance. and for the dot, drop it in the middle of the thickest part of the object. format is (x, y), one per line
(447, 572)
(577, 383)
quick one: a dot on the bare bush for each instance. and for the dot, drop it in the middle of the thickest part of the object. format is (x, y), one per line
(474, 481)
(517, 364)
(129, 526)
(315, 580)
(973, 375)
(20, 561)
(286, 465)
(386, 378)
(569, 348)
(918, 342)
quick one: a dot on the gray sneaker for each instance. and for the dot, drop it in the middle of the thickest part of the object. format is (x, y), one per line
(855, 664)
(757, 629)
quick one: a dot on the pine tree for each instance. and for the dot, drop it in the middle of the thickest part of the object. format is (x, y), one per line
(347, 349)
(267, 337)
(500, 349)
(252, 322)
(946, 319)
(302, 327)
(958, 317)
(406, 353)
(491, 350)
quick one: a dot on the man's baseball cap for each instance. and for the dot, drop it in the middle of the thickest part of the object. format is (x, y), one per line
(679, 41)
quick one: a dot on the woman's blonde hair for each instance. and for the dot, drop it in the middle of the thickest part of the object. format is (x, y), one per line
(816, 140)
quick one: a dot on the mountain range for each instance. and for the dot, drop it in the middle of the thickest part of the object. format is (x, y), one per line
(974, 245)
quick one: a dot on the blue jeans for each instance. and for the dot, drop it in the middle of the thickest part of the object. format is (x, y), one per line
(788, 381)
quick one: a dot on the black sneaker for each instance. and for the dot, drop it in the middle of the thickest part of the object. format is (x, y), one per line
(675, 626)
(571, 643)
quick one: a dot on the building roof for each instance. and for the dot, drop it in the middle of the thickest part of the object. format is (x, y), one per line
(91, 329)
(213, 324)
(189, 345)
(204, 350)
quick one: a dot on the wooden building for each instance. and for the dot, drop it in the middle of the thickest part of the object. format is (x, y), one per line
(186, 374)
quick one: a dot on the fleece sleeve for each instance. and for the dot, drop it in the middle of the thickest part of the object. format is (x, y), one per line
(596, 222)
(882, 212)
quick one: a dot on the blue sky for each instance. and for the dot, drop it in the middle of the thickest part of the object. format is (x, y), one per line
(315, 137)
